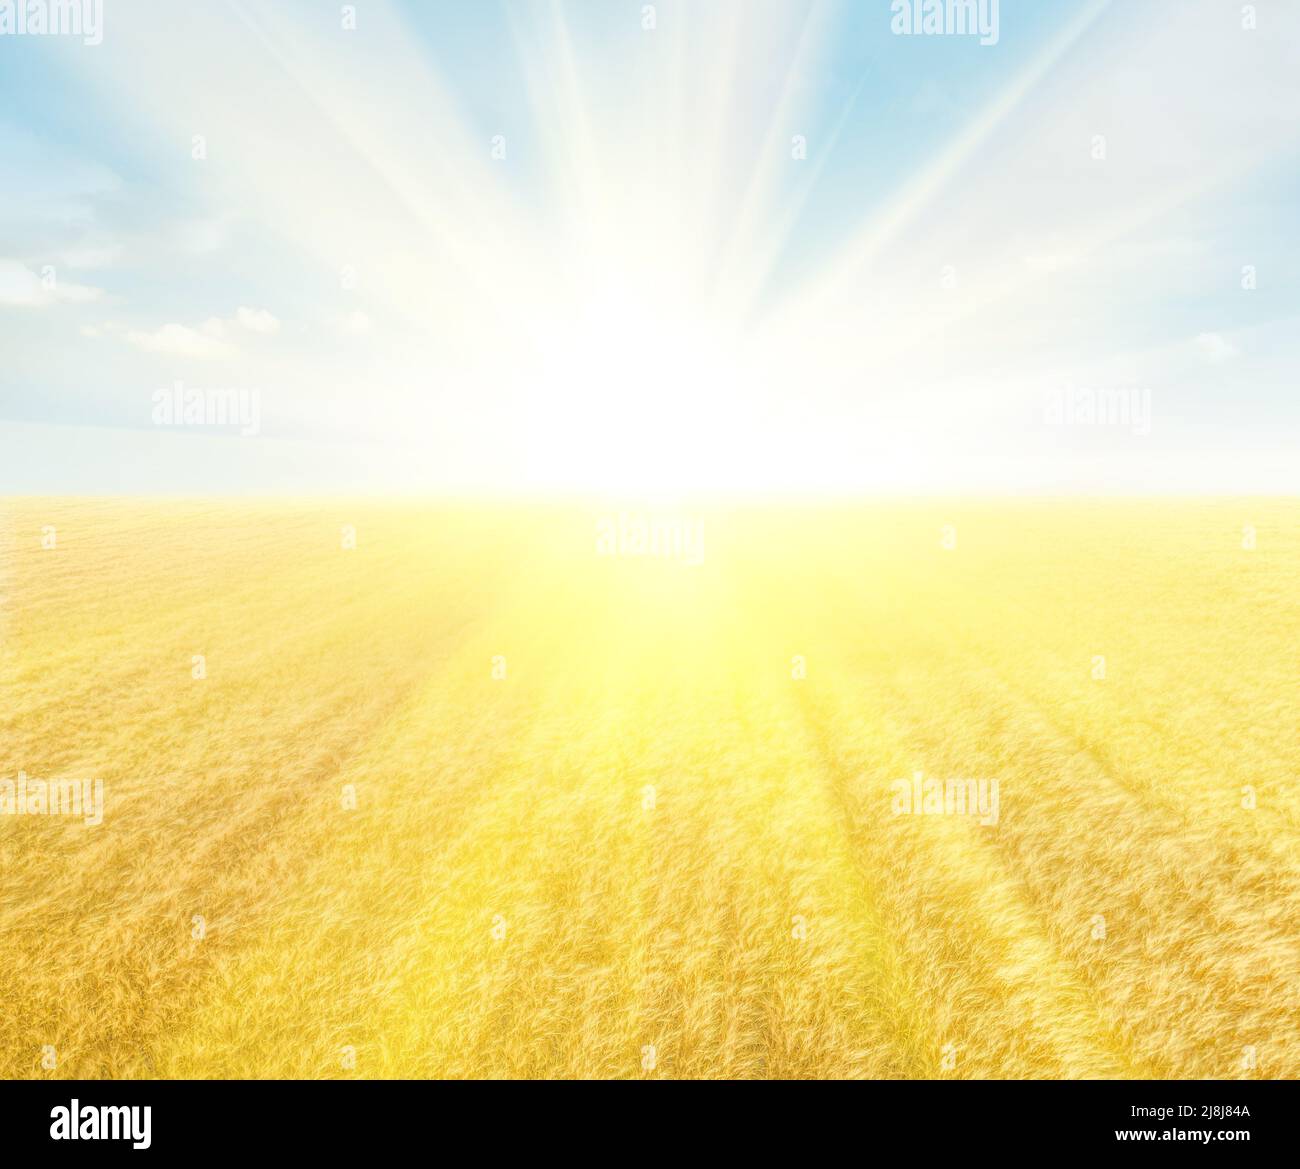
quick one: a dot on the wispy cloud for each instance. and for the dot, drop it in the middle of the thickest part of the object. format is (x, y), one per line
(257, 320)
(214, 338)
(1215, 347)
(180, 341)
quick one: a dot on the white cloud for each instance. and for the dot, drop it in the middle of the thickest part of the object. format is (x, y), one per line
(1215, 347)
(257, 320)
(178, 341)
(22, 288)
(210, 339)
(70, 293)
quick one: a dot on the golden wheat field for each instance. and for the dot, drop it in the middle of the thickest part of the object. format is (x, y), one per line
(472, 799)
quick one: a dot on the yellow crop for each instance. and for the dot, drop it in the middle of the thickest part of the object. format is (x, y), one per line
(481, 797)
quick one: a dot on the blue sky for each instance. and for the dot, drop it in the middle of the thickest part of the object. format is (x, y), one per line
(759, 246)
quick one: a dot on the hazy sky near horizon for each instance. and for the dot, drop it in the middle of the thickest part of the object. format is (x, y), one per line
(722, 245)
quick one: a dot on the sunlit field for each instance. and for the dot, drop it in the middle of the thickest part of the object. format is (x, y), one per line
(495, 793)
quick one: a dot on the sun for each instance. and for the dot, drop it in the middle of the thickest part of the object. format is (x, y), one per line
(634, 391)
